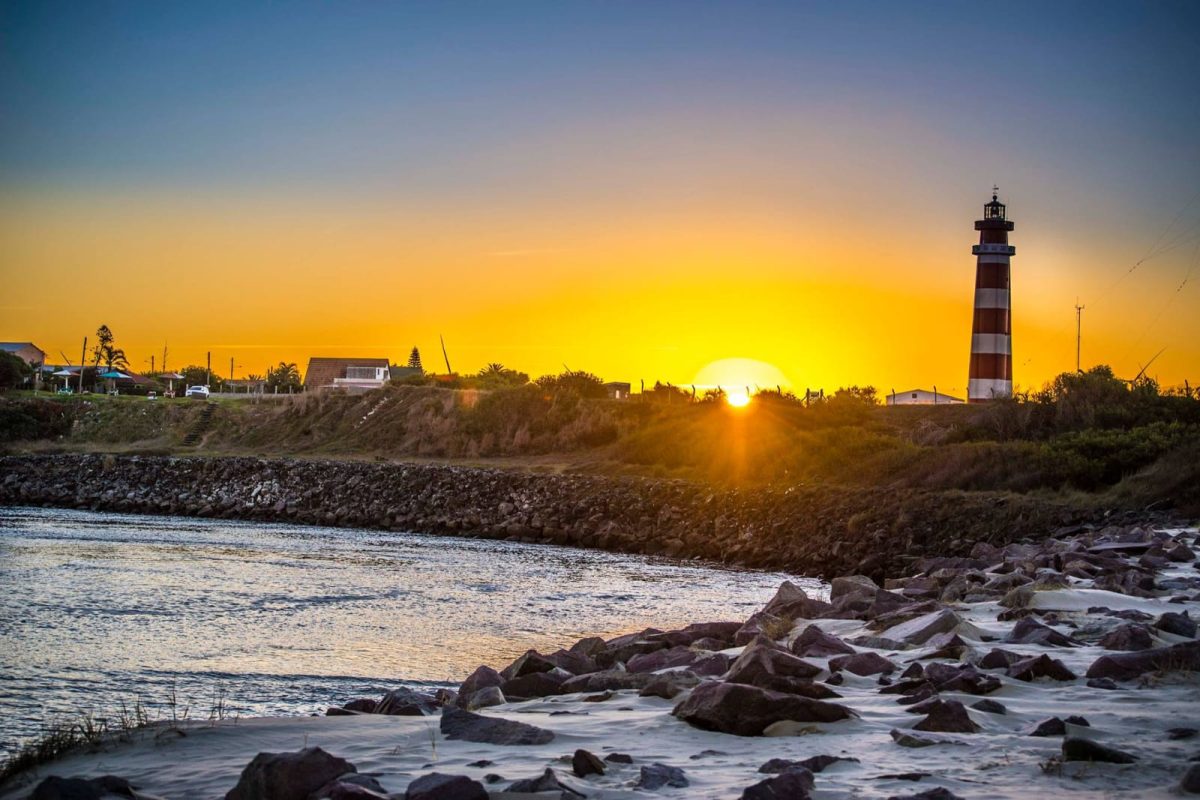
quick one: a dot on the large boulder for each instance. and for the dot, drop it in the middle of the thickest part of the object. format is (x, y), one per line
(1127, 666)
(1078, 749)
(763, 663)
(406, 703)
(1030, 631)
(851, 585)
(607, 680)
(1043, 666)
(1128, 636)
(536, 684)
(655, 776)
(102, 788)
(921, 629)
(481, 678)
(288, 776)
(862, 664)
(528, 662)
(470, 727)
(746, 710)
(793, 783)
(816, 643)
(1176, 623)
(680, 656)
(438, 786)
(945, 716)
(546, 782)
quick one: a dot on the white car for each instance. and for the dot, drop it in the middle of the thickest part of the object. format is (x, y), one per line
(198, 392)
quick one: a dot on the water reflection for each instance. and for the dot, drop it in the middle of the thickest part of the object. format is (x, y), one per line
(99, 608)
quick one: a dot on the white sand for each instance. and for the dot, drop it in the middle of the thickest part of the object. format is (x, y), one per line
(998, 762)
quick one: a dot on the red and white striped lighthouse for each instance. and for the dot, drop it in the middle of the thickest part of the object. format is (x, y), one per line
(991, 333)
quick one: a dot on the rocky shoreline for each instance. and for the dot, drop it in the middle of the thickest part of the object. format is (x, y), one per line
(814, 530)
(1057, 668)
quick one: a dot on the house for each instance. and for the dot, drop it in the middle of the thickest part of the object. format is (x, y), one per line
(921, 397)
(617, 390)
(399, 373)
(352, 374)
(26, 351)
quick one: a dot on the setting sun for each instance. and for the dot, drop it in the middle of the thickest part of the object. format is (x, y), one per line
(738, 399)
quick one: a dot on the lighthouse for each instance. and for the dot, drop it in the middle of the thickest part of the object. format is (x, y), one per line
(990, 376)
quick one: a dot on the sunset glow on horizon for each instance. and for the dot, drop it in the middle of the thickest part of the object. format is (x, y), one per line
(642, 192)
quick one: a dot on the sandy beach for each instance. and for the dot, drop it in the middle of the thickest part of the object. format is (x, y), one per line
(1145, 716)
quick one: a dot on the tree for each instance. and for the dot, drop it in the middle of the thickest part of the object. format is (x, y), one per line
(106, 352)
(195, 375)
(283, 378)
(414, 359)
(578, 382)
(496, 376)
(13, 371)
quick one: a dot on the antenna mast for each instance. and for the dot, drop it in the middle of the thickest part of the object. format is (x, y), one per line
(1078, 331)
(445, 355)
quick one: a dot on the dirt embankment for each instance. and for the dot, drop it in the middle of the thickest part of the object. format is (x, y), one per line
(810, 530)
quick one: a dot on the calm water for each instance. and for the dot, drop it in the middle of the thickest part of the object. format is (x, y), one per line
(96, 609)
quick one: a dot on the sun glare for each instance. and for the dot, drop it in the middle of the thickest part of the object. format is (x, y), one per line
(738, 399)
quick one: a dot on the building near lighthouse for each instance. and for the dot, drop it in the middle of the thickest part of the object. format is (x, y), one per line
(990, 376)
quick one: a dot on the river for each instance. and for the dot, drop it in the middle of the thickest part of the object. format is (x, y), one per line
(100, 610)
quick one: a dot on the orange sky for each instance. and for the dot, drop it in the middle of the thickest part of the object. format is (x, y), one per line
(635, 293)
(629, 188)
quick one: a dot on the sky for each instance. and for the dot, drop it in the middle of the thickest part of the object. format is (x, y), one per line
(636, 189)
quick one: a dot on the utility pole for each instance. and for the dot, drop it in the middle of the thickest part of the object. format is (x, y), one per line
(82, 364)
(445, 355)
(151, 365)
(1078, 331)
(208, 369)
(231, 368)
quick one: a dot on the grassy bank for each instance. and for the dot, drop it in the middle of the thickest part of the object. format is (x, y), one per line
(1089, 433)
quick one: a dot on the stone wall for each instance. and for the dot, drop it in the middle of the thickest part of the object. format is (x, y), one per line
(806, 529)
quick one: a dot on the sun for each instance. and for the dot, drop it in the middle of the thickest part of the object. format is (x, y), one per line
(738, 398)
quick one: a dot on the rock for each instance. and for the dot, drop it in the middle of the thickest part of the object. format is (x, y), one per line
(536, 684)
(762, 662)
(907, 739)
(584, 763)
(746, 710)
(816, 643)
(792, 784)
(989, 707)
(607, 680)
(819, 763)
(998, 659)
(946, 716)
(1128, 636)
(1181, 733)
(936, 793)
(481, 678)
(851, 585)
(1078, 749)
(1102, 683)
(1043, 666)
(1127, 666)
(1190, 782)
(761, 624)
(471, 727)
(912, 672)
(1030, 631)
(619, 758)
(919, 630)
(1176, 623)
(655, 776)
(486, 698)
(680, 656)
(342, 789)
(437, 786)
(528, 662)
(406, 703)
(546, 782)
(288, 776)
(862, 664)
(669, 685)
(712, 665)
(361, 704)
(103, 788)
(1052, 726)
